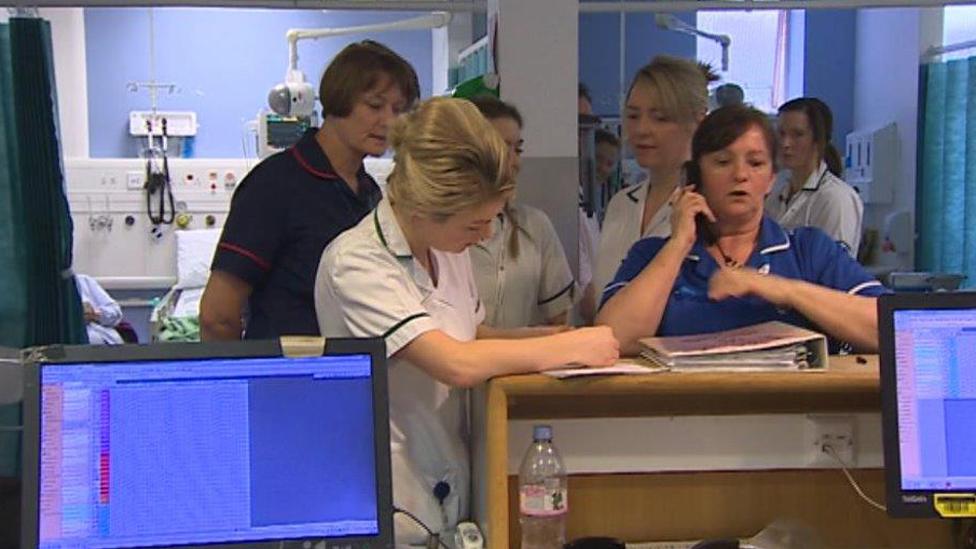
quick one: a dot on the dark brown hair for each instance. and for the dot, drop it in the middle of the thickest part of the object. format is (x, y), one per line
(360, 67)
(821, 122)
(492, 107)
(606, 136)
(720, 129)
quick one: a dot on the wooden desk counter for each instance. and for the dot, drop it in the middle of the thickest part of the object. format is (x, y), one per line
(847, 386)
(850, 385)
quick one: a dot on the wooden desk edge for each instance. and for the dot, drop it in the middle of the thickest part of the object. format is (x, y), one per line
(844, 375)
(497, 464)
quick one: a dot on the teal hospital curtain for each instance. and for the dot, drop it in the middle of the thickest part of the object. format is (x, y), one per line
(39, 302)
(946, 195)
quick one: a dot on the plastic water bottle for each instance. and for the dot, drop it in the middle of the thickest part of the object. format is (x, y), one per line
(543, 503)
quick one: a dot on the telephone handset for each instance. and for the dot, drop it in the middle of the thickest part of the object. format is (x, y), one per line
(702, 225)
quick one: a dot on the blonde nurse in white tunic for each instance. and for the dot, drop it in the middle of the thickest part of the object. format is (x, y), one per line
(403, 273)
(812, 194)
(521, 271)
(666, 101)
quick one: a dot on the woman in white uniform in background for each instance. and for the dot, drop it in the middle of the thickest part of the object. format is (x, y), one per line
(811, 193)
(666, 101)
(521, 271)
(404, 274)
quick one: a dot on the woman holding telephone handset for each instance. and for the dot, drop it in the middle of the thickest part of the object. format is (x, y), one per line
(665, 102)
(727, 265)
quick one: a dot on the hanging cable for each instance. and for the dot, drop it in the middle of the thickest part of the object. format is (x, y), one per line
(829, 450)
(433, 539)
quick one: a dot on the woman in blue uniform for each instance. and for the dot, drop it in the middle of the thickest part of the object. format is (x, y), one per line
(726, 264)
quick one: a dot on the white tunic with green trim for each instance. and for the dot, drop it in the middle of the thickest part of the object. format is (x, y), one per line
(369, 285)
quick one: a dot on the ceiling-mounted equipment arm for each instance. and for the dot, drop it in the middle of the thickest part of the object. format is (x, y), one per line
(432, 21)
(670, 22)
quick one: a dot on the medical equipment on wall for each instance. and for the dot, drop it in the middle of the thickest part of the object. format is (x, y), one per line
(292, 102)
(871, 163)
(668, 21)
(276, 132)
(158, 183)
(102, 221)
(178, 123)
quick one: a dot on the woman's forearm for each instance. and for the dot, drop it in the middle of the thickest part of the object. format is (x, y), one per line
(635, 310)
(847, 317)
(467, 363)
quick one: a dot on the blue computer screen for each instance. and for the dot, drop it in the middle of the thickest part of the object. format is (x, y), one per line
(935, 366)
(205, 451)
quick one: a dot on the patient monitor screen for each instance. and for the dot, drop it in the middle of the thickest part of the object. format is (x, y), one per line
(168, 453)
(935, 356)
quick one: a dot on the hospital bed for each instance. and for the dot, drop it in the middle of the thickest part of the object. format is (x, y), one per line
(176, 317)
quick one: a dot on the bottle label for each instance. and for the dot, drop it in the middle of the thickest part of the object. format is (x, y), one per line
(543, 500)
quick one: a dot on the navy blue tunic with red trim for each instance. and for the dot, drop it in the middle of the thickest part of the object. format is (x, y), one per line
(283, 214)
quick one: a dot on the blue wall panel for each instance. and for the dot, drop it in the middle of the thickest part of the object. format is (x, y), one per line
(224, 60)
(829, 58)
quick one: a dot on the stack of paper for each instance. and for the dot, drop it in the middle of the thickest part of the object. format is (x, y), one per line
(767, 346)
(624, 366)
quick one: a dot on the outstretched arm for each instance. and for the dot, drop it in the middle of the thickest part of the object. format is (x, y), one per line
(847, 317)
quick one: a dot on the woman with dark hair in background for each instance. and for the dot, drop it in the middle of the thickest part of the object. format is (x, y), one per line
(521, 270)
(812, 194)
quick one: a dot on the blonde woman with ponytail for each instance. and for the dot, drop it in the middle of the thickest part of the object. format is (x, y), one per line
(522, 273)
(404, 274)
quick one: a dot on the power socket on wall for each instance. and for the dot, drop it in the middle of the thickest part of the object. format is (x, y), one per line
(834, 431)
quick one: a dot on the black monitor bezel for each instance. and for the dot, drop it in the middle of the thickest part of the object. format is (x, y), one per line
(906, 503)
(35, 360)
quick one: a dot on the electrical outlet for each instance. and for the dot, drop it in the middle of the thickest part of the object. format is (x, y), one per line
(134, 181)
(837, 432)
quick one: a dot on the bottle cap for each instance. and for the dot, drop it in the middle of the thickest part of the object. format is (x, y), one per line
(542, 432)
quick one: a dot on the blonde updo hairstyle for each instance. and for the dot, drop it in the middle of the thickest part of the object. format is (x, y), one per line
(680, 85)
(447, 158)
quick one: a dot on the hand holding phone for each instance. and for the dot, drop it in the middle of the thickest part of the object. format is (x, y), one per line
(690, 217)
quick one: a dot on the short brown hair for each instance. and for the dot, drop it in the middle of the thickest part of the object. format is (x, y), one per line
(681, 85)
(358, 68)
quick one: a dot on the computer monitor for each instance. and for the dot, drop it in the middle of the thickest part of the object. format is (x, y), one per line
(928, 390)
(202, 444)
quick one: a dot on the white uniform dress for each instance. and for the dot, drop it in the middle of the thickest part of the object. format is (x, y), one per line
(621, 229)
(369, 285)
(527, 290)
(825, 201)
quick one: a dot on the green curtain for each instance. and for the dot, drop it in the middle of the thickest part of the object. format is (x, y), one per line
(39, 303)
(946, 192)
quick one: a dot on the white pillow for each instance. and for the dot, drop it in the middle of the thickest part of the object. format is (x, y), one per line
(194, 254)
